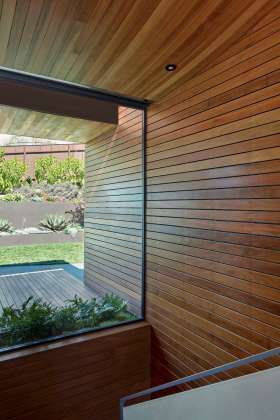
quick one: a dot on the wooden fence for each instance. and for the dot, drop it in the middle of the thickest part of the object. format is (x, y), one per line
(29, 154)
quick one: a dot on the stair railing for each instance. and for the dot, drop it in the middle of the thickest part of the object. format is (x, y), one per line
(219, 369)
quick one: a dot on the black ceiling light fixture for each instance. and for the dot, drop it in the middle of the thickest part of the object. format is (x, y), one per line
(170, 67)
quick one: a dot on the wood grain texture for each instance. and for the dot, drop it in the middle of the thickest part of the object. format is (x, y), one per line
(124, 45)
(52, 286)
(113, 219)
(79, 378)
(213, 232)
(23, 122)
(213, 272)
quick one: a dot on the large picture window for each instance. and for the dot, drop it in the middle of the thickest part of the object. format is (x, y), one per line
(72, 235)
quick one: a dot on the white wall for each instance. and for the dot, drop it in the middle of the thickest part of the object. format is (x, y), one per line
(251, 397)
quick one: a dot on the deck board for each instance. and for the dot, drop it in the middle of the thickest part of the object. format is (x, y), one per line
(53, 286)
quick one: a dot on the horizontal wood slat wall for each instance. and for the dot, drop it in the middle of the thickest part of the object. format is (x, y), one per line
(113, 220)
(213, 232)
(81, 378)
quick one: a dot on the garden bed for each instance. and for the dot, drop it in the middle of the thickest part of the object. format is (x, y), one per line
(37, 319)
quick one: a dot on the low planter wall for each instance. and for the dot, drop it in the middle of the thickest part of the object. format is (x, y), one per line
(29, 213)
(76, 378)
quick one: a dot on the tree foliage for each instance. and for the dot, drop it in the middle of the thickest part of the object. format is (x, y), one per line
(52, 170)
(12, 172)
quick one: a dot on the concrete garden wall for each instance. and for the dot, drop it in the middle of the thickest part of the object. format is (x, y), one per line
(29, 213)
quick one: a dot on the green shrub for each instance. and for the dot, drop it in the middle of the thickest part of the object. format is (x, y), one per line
(6, 226)
(72, 229)
(36, 319)
(51, 170)
(54, 222)
(11, 174)
(12, 197)
(65, 319)
(51, 198)
(30, 322)
(45, 169)
(115, 302)
(71, 170)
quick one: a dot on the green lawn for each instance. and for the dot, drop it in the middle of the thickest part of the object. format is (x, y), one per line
(68, 252)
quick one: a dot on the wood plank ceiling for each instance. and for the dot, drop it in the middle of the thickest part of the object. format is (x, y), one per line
(22, 122)
(118, 45)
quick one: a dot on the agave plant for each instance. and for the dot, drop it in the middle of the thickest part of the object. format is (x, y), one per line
(6, 226)
(54, 222)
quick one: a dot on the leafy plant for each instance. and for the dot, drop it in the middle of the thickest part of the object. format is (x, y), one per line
(53, 170)
(6, 226)
(114, 301)
(86, 310)
(64, 319)
(32, 321)
(51, 198)
(72, 229)
(78, 214)
(54, 222)
(11, 174)
(12, 197)
(45, 169)
(71, 170)
(36, 319)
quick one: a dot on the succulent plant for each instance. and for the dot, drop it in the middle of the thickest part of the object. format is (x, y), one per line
(6, 226)
(54, 222)
(61, 191)
(36, 198)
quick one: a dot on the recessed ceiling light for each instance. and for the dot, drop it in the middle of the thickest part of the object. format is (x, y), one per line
(170, 67)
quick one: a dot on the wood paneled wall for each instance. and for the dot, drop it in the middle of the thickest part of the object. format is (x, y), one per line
(81, 378)
(113, 220)
(213, 241)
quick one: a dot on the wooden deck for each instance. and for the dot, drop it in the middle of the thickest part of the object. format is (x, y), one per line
(53, 286)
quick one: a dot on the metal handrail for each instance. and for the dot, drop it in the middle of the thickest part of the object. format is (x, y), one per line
(223, 368)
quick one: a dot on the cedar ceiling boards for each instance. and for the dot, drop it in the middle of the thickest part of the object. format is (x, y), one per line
(120, 46)
(22, 122)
